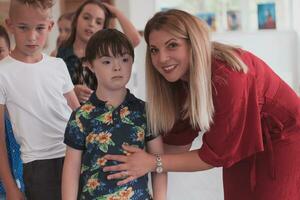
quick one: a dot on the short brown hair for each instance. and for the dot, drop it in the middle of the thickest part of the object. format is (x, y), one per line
(44, 4)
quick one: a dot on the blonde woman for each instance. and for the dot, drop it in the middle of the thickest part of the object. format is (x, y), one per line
(251, 117)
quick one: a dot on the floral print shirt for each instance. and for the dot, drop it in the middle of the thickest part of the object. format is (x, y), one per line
(98, 129)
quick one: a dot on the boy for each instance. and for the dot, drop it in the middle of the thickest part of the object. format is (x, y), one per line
(38, 94)
(110, 118)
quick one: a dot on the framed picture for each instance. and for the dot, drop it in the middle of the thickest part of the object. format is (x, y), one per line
(266, 16)
(233, 20)
(209, 18)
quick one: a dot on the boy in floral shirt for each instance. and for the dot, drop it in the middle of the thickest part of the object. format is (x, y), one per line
(111, 118)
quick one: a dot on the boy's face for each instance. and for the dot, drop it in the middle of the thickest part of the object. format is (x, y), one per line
(4, 50)
(113, 73)
(30, 27)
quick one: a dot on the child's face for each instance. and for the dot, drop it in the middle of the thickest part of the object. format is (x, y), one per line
(90, 20)
(4, 50)
(64, 28)
(30, 27)
(112, 72)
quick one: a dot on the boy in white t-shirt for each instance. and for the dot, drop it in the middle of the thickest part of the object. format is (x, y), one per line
(38, 93)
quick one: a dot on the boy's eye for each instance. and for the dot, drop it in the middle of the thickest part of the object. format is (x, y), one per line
(99, 22)
(40, 28)
(106, 62)
(125, 59)
(22, 27)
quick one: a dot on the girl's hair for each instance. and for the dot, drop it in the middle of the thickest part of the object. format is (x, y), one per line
(107, 41)
(163, 97)
(108, 16)
(4, 34)
(68, 16)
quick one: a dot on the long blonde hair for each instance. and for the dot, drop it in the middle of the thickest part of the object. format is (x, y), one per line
(163, 97)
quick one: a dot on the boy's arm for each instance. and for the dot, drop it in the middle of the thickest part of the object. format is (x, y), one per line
(127, 27)
(71, 173)
(72, 99)
(159, 180)
(12, 191)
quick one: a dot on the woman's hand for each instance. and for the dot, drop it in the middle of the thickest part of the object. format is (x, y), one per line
(136, 164)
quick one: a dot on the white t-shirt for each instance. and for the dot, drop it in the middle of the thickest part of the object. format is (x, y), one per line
(33, 94)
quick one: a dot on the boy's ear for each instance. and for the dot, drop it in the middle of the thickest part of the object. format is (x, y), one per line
(88, 65)
(9, 25)
(51, 24)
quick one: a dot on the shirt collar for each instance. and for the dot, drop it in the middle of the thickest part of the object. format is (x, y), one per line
(96, 101)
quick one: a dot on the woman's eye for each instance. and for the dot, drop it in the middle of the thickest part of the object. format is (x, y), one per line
(172, 45)
(153, 50)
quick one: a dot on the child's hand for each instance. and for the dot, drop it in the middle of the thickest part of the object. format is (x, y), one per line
(15, 194)
(82, 92)
(111, 9)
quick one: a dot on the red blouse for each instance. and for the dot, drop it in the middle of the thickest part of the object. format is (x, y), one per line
(254, 114)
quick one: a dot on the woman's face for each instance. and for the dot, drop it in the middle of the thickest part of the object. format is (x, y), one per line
(169, 55)
(90, 20)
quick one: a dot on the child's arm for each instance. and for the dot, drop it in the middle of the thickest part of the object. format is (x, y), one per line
(72, 99)
(71, 173)
(159, 180)
(12, 191)
(127, 26)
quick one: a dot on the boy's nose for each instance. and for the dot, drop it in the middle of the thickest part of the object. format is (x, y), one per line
(31, 36)
(117, 66)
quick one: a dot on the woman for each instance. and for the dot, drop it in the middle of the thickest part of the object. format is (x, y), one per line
(90, 17)
(251, 117)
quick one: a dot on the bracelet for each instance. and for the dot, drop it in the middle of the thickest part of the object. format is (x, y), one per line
(159, 165)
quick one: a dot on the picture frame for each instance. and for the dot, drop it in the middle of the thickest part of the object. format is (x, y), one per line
(233, 20)
(209, 18)
(266, 16)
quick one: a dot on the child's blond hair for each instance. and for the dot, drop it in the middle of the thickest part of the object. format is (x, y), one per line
(41, 4)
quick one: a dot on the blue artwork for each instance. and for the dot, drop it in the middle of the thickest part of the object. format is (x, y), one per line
(266, 16)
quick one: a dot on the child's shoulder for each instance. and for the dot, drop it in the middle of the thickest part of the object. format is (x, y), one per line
(7, 64)
(135, 102)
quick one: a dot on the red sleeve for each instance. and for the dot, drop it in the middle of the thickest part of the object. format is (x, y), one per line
(181, 134)
(236, 131)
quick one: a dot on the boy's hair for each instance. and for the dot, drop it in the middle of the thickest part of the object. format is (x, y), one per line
(107, 41)
(108, 16)
(41, 4)
(4, 34)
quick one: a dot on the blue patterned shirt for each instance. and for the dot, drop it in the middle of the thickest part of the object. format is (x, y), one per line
(13, 151)
(98, 129)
